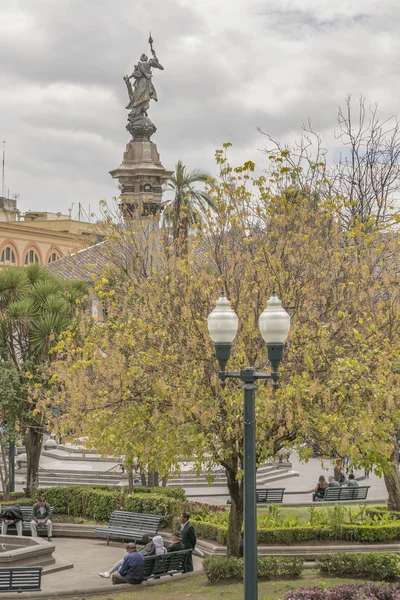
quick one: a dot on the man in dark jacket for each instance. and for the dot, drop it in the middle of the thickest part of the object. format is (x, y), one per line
(132, 569)
(177, 543)
(11, 515)
(188, 539)
(41, 513)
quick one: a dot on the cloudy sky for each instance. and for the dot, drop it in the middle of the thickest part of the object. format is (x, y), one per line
(230, 66)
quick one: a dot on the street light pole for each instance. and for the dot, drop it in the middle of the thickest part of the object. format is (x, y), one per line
(274, 325)
(11, 466)
(250, 500)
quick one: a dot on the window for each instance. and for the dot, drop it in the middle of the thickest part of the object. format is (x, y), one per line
(8, 256)
(31, 257)
(53, 257)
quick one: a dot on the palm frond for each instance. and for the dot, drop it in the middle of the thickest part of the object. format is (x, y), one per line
(43, 289)
(14, 285)
(44, 334)
(21, 313)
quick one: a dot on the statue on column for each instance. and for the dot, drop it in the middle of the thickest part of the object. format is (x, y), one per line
(139, 125)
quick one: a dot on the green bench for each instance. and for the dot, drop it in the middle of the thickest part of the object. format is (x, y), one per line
(344, 493)
(165, 564)
(20, 579)
(270, 496)
(129, 526)
(26, 521)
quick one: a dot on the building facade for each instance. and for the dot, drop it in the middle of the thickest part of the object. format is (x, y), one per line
(39, 237)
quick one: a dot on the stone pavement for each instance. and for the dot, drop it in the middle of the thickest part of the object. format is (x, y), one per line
(89, 557)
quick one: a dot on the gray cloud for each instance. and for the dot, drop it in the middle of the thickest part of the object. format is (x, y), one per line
(229, 67)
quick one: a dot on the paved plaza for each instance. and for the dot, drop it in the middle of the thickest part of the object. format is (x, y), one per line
(89, 557)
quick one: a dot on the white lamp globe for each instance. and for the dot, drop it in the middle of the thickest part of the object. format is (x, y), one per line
(274, 322)
(222, 322)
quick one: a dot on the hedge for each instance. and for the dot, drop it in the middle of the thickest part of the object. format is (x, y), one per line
(383, 566)
(177, 493)
(98, 504)
(154, 504)
(269, 567)
(352, 591)
(368, 534)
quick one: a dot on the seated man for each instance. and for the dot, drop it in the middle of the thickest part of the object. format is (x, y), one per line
(177, 543)
(332, 482)
(11, 515)
(41, 516)
(132, 568)
(352, 482)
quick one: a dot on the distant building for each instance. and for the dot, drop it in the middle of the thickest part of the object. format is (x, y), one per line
(39, 237)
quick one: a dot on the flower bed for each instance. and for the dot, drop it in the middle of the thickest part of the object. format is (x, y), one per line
(354, 591)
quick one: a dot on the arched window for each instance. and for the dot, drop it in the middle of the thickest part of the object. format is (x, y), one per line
(53, 257)
(7, 256)
(31, 257)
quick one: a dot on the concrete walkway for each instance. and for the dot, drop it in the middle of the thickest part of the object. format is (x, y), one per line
(89, 557)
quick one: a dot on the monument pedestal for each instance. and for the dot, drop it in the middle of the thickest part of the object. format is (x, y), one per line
(141, 177)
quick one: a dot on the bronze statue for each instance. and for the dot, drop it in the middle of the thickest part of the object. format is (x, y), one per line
(139, 124)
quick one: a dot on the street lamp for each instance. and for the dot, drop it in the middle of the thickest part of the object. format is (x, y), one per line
(274, 324)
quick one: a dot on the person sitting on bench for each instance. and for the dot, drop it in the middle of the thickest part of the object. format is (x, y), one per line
(11, 515)
(177, 543)
(129, 569)
(41, 512)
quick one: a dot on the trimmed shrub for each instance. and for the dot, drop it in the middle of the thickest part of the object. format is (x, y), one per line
(353, 591)
(383, 566)
(368, 534)
(154, 504)
(177, 493)
(209, 531)
(66, 500)
(269, 567)
(19, 502)
(99, 504)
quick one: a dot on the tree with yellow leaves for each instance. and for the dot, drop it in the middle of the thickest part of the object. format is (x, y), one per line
(145, 383)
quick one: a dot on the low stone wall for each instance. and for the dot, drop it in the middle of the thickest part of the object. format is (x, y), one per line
(25, 551)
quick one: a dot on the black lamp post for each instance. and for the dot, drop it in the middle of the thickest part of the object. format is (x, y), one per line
(274, 324)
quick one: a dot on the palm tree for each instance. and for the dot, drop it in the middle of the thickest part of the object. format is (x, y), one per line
(188, 206)
(35, 308)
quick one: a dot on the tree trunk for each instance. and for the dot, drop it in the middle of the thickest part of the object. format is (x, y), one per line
(392, 480)
(143, 479)
(33, 446)
(130, 479)
(5, 480)
(235, 523)
(152, 479)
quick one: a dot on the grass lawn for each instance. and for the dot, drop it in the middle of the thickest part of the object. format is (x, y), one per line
(197, 588)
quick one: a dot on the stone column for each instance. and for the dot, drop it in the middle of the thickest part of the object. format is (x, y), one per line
(141, 177)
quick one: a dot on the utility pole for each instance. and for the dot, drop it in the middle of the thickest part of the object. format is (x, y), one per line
(4, 162)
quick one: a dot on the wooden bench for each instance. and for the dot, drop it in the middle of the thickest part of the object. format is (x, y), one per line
(26, 521)
(129, 526)
(341, 494)
(165, 564)
(270, 496)
(21, 579)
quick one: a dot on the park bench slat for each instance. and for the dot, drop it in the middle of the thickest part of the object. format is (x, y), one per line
(164, 564)
(346, 493)
(129, 526)
(270, 495)
(20, 579)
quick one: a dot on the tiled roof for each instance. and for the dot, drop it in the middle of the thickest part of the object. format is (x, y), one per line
(83, 264)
